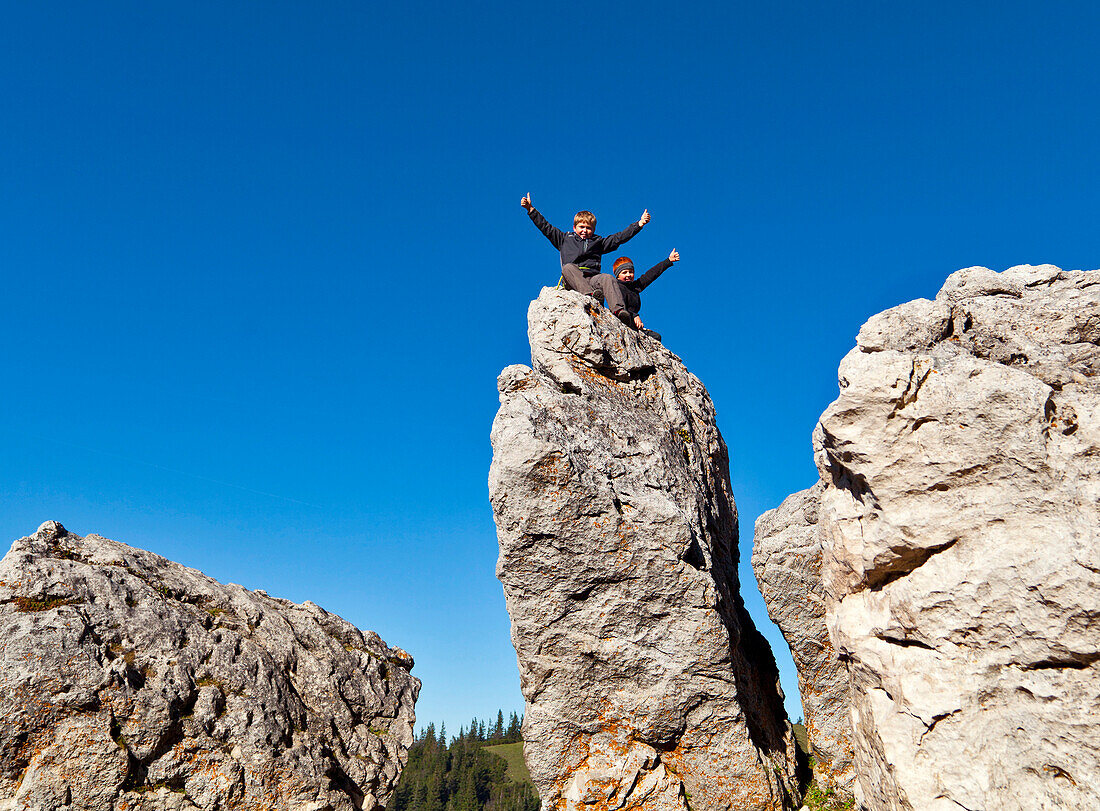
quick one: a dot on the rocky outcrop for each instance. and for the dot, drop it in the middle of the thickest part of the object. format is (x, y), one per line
(129, 682)
(960, 522)
(647, 685)
(786, 559)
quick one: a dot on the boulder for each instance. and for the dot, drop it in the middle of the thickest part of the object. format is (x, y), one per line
(129, 682)
(786, 559)
(646, 684)
(961, 555)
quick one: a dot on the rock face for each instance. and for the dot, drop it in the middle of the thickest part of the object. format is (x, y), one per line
(647, 685)
(959, 520)
(787, 558)
(131, 682)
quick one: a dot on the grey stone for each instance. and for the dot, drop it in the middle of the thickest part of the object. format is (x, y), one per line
(961, 554)
(646, 684)
(787, 560)
(131, 682)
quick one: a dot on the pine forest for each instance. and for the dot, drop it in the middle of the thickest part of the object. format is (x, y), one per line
(481, 768)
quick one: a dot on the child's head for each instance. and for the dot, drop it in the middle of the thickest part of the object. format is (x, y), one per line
(584, 223)
(624, 269)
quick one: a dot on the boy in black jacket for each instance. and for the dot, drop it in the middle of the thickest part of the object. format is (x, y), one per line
(631, 288)
(580, 254)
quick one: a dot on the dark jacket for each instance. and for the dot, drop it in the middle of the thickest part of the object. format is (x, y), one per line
(632, 290)
(584, 253)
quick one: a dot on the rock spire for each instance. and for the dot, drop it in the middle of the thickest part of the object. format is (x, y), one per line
(647, 685)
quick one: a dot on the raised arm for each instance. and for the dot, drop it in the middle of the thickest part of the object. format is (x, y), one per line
(555, 235)
(610, 243)
(650, 276)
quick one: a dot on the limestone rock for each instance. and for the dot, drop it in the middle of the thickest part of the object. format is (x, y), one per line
(959, 518)
(647, 685)
(129, 682)
(786, 558)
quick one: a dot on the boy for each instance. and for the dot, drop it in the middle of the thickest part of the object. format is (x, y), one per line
(631, 288)
(580, 254)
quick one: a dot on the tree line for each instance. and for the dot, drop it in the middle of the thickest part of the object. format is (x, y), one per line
(459, 775)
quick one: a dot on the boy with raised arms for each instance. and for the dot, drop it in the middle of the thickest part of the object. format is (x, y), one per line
(581, 250)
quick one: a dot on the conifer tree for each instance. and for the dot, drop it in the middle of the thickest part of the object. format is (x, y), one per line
(421, 799)
(467, 794)
(513, 735)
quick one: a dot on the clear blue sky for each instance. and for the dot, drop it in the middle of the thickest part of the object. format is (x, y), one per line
(262, 262)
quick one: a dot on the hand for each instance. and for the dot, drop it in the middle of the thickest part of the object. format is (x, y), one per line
(638, 322)
(644, 219)
(674, 256)
(526, 202)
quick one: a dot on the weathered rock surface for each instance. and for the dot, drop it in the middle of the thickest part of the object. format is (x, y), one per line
(131, 682)
(647, 685)
(959, 520)
(786, 558)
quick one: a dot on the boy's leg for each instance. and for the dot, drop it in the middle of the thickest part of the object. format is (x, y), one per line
(609, 285)
(576, 280)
